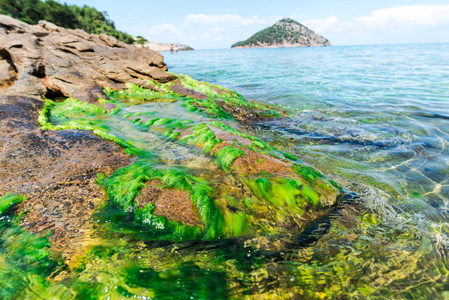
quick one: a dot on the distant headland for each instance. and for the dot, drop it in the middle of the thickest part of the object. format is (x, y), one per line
(285, 33)
(163, 46)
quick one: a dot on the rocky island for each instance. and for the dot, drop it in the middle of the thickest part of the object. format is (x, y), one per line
(285, 33)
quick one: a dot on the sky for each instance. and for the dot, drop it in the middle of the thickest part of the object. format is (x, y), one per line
(215, 24)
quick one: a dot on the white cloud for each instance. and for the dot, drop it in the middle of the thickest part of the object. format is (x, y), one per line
(331, 24)
(418, 15)
(232, 19)
(164, 28)
(400, 24)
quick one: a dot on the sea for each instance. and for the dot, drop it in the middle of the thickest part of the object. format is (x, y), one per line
(376, 120)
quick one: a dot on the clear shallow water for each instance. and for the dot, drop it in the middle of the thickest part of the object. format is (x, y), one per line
(364, 113)
(375, 119)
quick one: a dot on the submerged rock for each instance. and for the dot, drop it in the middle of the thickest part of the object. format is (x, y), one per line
(238, 185)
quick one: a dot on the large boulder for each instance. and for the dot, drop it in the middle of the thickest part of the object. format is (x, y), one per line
(71, 63)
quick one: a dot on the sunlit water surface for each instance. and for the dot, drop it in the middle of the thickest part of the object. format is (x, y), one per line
(377, 114)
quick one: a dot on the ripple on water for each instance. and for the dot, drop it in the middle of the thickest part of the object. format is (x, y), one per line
(372, 115)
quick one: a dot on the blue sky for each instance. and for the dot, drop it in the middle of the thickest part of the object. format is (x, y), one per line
(218, 24)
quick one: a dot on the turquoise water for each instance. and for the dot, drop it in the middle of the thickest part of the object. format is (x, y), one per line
(376, 114)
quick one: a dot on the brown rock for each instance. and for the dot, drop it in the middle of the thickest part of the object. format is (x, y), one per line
(181, 90)
(56, 171)
(172, 204)
(50, 26)
(18, 115)
(8, 71)
(70, 63)
(110, 41)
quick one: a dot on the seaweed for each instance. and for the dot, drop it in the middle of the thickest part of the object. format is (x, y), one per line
(203, 137)
(218, 220)
(226, 157)
(57, 110)
(25, 259)
(126, 183)
(8, 201)
(283, 194)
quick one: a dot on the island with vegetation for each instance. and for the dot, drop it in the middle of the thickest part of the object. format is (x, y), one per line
(285, 33)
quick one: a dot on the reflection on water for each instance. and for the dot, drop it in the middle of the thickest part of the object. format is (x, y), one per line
(372, 118)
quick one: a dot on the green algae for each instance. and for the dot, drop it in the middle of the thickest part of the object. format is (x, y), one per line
(228, 96)
(207, 88)
(132, 259)
(227, 155)
(314, 177)
(135, 94)
(125, 185)
(61, 111)
(203, 137)
(27, 266)
(8, 201)
(202, 283)
(257, 144)
(284, 194)
(25, 259)
(129, 269)
(208, 108)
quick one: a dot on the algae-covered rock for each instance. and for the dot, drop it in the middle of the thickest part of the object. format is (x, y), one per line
(57, 170)
(198, 174)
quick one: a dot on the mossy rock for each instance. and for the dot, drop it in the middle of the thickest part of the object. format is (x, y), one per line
(246, 186)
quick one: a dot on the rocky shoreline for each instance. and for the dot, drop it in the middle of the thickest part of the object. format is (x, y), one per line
(65, 93)
(164, 46)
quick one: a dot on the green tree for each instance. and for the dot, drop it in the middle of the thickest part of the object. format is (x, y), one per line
(86, 18)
